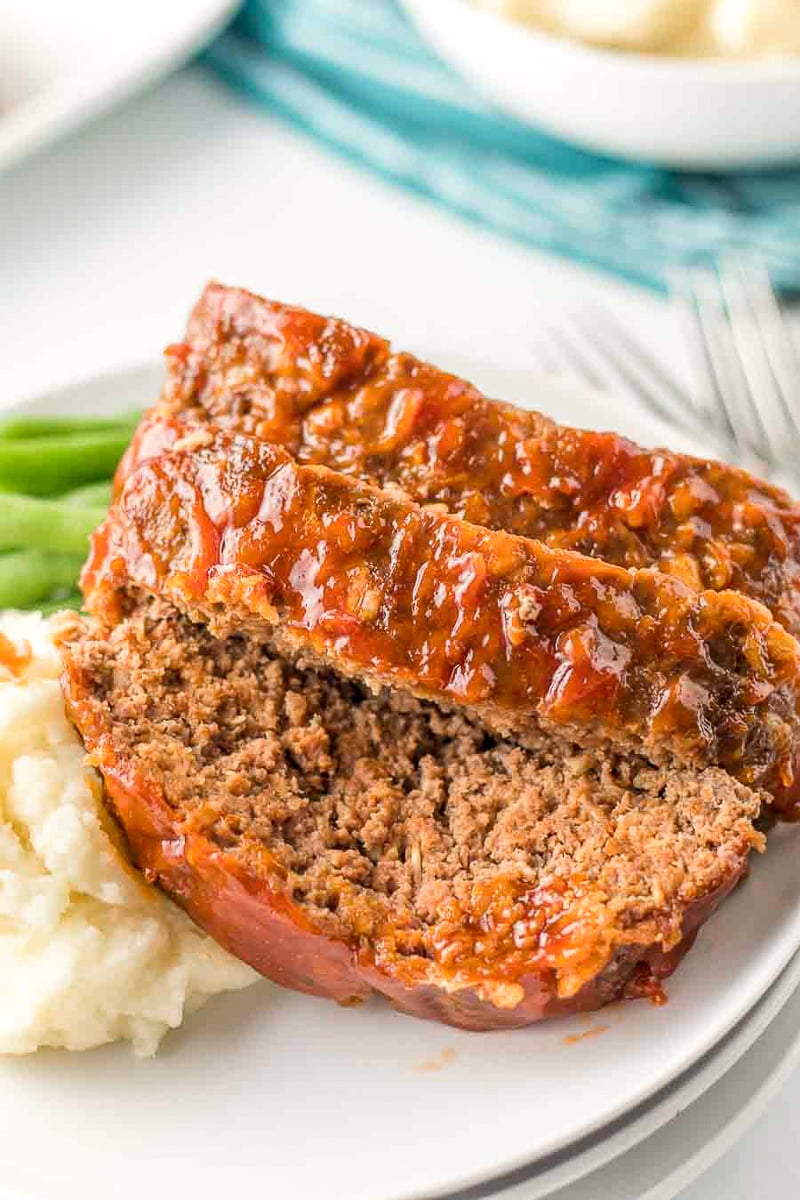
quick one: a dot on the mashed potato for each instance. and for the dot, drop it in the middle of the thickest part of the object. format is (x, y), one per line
(708, 28)
(89, 953)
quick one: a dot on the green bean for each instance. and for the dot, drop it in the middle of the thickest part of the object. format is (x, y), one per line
(30, 577)
(15, 428)
(69, 600)
(92, 495)
(47, 466)
(27, 523)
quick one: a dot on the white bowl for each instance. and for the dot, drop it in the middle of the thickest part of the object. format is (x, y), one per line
(696, 114)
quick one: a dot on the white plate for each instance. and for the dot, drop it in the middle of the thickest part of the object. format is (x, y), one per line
(681, 112)
(366, 1104)
(700, 1130)
(617, 1151)
(65, 61)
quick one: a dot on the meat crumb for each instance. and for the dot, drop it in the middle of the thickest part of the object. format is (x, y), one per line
(573, 1038)
(443, 1059)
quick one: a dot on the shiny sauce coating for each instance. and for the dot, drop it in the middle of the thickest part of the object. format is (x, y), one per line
(234, 530)
(336, 396)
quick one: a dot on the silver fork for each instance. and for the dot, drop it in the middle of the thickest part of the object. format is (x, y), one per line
(593, 346)
(747, 399)
(744, 360)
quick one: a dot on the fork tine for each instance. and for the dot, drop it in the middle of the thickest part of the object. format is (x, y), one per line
(725, 380)
(628, 366)
(708, 399)
(638, 355)
(779, 347)
(548, 358)
(583, 362)
(766, 402)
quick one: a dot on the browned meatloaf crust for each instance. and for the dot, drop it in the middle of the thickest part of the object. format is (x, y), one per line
(532, 640)
(336, 396)
(344, 842)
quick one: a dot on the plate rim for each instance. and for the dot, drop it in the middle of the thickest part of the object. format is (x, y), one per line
(627, 1133)
(149, 370)
(54, 112)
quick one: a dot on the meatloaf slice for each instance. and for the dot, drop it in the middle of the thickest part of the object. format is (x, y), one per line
(336, 396)
(532, 641)
(344, 842)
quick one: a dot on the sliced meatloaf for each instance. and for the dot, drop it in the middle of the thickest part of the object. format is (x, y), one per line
(336, 396)
(536, 643)
(344, 842)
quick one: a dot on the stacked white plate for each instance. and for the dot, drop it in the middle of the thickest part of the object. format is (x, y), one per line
(280, 1092)
(65, 63)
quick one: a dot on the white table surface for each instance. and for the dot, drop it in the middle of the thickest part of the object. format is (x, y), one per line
(107, 239)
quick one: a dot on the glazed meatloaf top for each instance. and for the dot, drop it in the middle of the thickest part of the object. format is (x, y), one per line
(534, 641)
(336, 396)
(343, 841)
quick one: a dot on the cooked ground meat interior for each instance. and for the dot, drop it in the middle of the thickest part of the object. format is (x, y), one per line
(382, 816)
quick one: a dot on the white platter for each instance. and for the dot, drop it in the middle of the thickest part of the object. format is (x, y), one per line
(66, 61)
(365, 1104)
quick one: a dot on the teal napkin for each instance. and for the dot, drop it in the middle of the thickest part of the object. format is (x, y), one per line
(355, 75)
